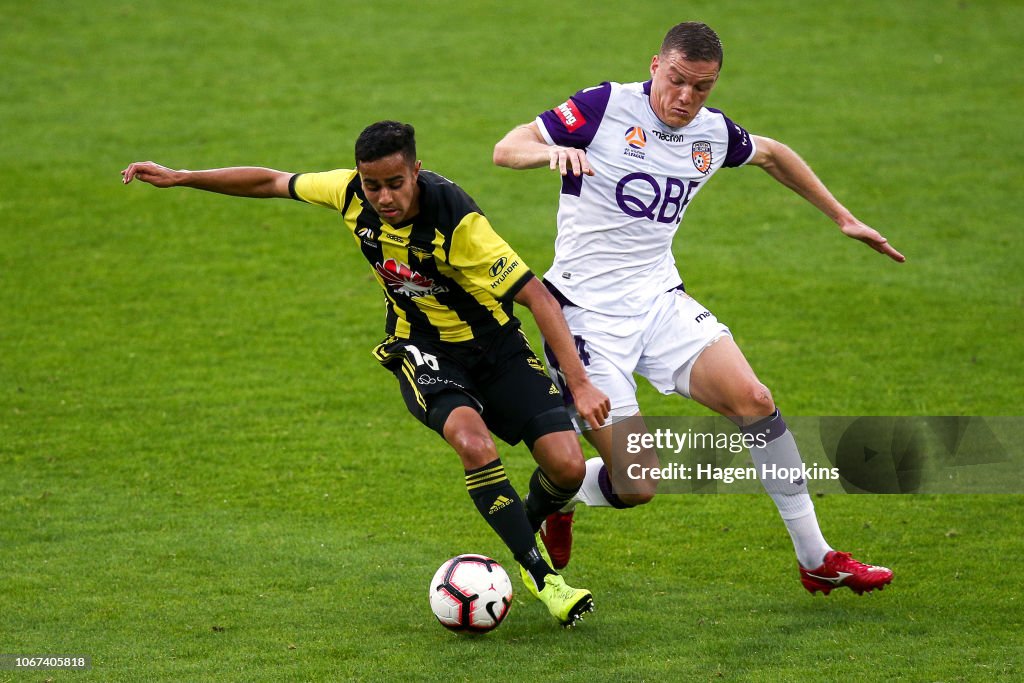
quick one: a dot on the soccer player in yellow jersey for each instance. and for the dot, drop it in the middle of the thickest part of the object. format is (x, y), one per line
(464, 367)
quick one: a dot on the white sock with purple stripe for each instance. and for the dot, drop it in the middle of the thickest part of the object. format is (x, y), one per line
(596, 490)
(791, 497)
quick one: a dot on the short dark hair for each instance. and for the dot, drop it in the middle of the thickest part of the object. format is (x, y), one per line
(384, 138)
(697, 41)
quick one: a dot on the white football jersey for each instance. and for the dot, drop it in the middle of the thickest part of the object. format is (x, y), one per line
(613, 253)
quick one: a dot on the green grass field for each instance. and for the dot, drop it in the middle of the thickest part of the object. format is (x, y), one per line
(204, 475)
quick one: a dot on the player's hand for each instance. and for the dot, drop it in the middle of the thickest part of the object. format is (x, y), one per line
(872, 238)
(568, 160)
(591, 403)
(149, 172)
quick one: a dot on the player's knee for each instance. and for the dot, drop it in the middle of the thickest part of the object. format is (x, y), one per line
(555, 447)
(754, 401)
(559, 455)
(475, 449)
(569, 470)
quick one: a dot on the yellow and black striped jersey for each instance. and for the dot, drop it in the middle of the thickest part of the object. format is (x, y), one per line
(446, 274)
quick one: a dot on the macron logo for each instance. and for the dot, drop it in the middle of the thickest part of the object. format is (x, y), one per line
(570, 115)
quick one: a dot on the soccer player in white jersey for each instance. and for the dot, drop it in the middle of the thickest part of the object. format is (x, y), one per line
(632, 157)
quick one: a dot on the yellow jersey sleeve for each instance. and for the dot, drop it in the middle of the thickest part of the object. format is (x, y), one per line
(485, 259)
(325, 189)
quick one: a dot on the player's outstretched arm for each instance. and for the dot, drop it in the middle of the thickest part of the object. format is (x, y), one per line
(591, 403)
(238, 181)
(524, 147)
(786, 166)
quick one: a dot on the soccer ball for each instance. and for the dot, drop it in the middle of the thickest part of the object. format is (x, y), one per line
(470, 593)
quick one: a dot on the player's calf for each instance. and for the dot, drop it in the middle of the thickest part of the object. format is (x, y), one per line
(558, 478)
(621, 477)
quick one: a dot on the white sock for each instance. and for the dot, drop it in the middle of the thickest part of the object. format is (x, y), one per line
(590, 491)
(791, 498)
(808, 542)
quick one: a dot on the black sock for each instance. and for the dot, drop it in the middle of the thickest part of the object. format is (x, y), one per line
(545, 497)
(501, 508)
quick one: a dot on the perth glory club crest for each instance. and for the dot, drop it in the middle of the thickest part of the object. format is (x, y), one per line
(402, 279)
(702, 156)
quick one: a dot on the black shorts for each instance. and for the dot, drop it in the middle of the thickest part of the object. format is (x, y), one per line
(500, 374)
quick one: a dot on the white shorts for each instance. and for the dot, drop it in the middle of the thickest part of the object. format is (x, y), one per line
(661, 345)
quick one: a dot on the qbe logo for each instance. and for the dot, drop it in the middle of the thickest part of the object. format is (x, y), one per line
(641, 195)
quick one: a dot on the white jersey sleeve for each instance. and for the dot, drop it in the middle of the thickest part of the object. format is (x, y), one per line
(613, 253)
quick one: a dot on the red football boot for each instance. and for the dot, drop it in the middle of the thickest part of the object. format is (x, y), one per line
(556, 533)
(839, 569)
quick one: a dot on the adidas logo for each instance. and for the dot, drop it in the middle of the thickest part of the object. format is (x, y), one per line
(499, 503)
(553, 389)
